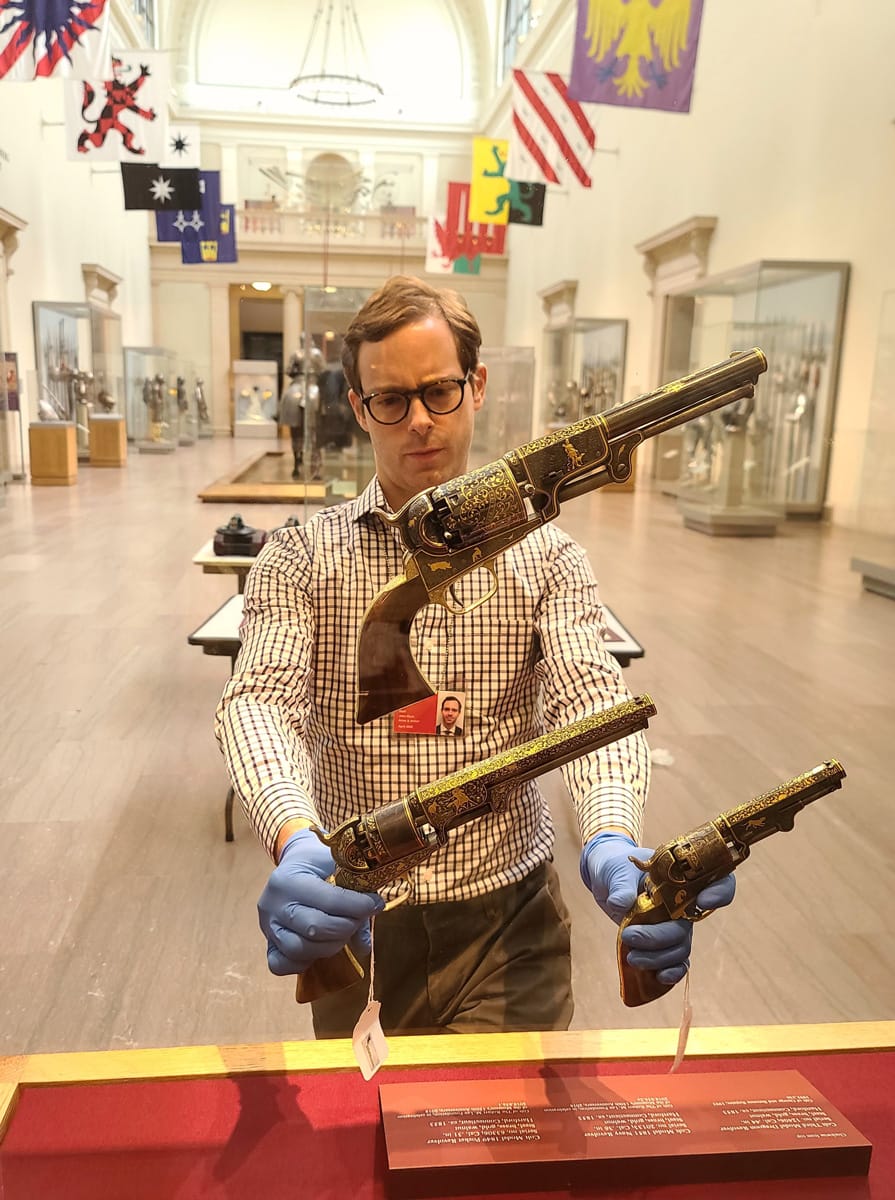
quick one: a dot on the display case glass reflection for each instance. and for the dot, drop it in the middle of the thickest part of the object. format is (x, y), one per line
(584, 367)
(794, 312)
(9, 387)
(150, 373)
(505, 420)
(876, 502)
(79, 365)
(254, 398)
(332, 457)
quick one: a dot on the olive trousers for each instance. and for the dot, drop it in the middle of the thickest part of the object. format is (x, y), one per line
(500, 962)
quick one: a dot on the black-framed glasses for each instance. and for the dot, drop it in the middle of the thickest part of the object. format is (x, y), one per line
(440, 397)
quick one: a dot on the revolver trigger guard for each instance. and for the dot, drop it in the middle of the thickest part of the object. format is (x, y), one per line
(459, 610)
(324, 837)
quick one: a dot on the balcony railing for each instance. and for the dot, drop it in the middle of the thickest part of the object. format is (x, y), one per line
(387, 228)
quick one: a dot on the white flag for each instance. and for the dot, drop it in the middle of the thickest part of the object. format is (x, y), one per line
(58, 41)
(124, 117)
(182, 146)
(553, 141)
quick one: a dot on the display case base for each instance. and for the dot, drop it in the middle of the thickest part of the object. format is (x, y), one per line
(156, 447)
(108, 440)
(718, 521)
(186, 440)
(266, 477)
(254, 429)
(876, 576)
(54, 453)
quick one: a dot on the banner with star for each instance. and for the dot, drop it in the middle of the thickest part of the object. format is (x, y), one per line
(182, 146)
(206, 234)
(171, 226)
(122, 117)
(149, 186)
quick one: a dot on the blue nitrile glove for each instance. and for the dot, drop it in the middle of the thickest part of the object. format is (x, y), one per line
(305, 918)
(615, 882)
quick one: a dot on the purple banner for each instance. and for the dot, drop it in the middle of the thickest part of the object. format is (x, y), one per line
(637, 53)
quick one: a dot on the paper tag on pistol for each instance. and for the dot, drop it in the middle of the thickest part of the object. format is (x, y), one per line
(368, 1041)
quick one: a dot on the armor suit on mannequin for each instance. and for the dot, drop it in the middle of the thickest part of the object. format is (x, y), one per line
(201, 406)
(153, 398)
(180, 393)
(298, 410)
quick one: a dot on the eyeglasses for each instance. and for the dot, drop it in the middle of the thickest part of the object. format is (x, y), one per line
(439, 398)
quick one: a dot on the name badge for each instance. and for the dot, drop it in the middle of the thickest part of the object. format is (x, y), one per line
(441, 715)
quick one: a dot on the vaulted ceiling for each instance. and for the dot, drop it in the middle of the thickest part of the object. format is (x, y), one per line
(434, 60)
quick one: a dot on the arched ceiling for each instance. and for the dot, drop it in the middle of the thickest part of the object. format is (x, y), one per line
(434, 60)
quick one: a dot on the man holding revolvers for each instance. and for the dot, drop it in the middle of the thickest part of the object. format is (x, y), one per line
(482, 942)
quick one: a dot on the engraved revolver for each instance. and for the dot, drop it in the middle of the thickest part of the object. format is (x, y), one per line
(465, 524)
(681, 868)
(380, 847)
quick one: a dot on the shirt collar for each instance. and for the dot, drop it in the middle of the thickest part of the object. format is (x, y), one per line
(372, 497)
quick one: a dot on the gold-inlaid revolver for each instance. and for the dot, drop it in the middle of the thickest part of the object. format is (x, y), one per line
(380, 847)
(457, 527)
(679, 870)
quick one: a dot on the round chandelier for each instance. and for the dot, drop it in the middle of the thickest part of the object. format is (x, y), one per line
(334, 70)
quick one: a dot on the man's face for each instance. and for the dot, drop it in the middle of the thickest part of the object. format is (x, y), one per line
(450, 710)
(424, 449)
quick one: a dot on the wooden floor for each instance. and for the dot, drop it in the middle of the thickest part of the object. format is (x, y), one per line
(126, 918)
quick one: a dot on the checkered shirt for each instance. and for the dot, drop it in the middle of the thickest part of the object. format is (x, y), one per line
(530, 659)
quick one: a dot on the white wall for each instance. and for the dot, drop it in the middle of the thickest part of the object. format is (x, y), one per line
(790, 143)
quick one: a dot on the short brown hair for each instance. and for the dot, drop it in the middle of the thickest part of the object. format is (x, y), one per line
(404, 300)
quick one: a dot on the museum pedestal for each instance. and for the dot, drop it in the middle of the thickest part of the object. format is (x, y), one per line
(108, 440)
(723, 513)
(54, 453)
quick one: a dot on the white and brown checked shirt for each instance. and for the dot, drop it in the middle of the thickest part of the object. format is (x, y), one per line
(529, 659)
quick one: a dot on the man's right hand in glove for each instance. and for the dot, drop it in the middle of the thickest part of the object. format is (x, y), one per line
(305, 918)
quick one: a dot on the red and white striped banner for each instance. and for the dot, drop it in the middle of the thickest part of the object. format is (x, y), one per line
(553, 141)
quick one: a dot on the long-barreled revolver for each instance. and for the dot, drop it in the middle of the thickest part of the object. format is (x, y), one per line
(465, 524)
(383, 846)
(678, 871)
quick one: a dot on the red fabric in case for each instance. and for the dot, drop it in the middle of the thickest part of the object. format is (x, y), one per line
(268, 1137)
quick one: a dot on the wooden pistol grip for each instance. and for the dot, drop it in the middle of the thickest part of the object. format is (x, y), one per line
(387, 676)
(328, 975)
(639, 987)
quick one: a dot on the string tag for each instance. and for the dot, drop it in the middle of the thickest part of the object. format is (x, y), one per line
(368, 1040)
(684, 1031)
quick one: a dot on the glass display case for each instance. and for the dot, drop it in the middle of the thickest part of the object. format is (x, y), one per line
(583, 369)
(198, 397)
(875, 515)
(182, 393)
(79, 365)
(9, 385)
(254, 398)
(505, 419)
(770, 454)
(333, 459)
(150, 375)
(876, 501)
